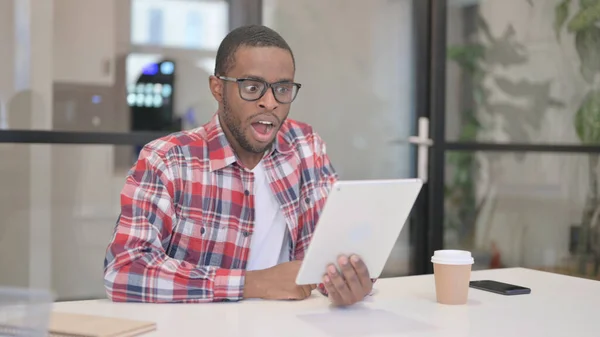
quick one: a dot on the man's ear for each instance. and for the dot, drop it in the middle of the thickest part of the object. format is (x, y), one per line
(216, 88)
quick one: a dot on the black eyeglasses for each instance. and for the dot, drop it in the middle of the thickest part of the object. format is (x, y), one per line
(252, 89)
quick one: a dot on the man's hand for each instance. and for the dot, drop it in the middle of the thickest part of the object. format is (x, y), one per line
(352, 285)
(276, 283)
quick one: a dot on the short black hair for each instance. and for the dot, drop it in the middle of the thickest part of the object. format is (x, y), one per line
(247, 36)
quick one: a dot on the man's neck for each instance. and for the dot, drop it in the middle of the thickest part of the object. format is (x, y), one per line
(247, 159)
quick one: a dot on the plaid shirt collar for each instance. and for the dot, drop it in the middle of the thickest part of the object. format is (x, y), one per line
(221, 153)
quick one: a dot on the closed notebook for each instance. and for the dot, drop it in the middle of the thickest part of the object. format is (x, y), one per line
(76, 325)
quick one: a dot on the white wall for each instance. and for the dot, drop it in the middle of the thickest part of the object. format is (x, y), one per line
(85, 186)
(354, 60)
(6, 54)
(26, 83)
(85, 203)
(84, 45)
(14, 229)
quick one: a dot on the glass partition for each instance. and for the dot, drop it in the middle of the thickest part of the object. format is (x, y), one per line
(59, 206)
(533, 210)
(522, 71)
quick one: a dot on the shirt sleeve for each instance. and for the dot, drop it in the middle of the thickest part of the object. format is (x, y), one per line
(137, 267)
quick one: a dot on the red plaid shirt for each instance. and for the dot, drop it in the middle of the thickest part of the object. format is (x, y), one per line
(187, 213)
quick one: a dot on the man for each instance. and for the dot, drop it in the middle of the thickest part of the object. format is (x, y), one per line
(226, 211)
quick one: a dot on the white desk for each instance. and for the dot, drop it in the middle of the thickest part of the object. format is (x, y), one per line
(558, 306)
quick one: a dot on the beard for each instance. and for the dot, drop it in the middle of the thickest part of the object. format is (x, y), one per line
(234, 125)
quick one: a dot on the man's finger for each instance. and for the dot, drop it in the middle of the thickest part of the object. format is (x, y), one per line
(340, 284)
(363, 273)
(352, 281)
(331, 291)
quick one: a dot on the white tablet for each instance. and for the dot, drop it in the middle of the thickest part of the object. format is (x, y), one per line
(359, 217)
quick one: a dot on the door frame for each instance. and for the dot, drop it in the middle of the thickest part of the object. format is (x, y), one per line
(426, 224)
(437, 116)
(420, 216)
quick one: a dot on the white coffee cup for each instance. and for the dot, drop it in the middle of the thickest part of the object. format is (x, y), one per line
(452, 272)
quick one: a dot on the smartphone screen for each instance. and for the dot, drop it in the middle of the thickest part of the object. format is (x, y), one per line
(499, 287)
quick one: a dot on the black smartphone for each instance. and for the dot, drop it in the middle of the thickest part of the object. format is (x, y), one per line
(499, 287)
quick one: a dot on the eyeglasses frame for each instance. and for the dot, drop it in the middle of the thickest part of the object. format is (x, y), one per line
(267, 85)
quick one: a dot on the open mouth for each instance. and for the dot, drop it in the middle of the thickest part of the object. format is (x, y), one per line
(263, 130)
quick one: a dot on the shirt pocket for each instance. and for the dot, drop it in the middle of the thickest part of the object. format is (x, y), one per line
(307, 199)
(197, 242)
(312, 199)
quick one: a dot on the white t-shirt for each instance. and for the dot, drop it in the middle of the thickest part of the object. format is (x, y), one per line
(269, 243)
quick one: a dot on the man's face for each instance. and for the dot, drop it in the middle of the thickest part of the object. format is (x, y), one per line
(254, 124)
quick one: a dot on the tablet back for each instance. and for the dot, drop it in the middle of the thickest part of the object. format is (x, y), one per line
(360, 217)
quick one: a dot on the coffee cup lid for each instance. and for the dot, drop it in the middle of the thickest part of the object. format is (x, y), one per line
(455, 257)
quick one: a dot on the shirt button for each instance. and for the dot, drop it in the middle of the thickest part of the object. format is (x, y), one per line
(247, 193)
(202, 230)
(307, 200)
(246, 233)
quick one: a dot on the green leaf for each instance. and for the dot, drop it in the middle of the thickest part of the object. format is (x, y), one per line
(587, 119)
(467, 56)
(587, 3)
(587, 43)
(561, 13)
(469, 130)
(586, 18)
